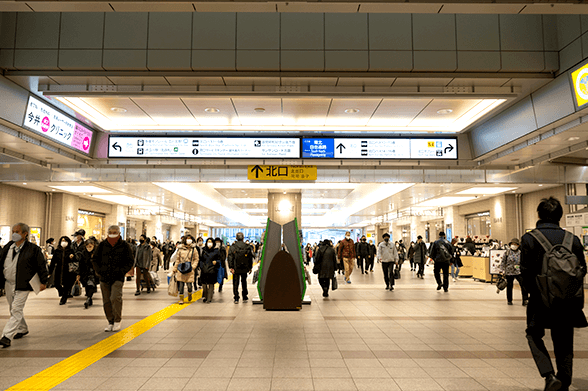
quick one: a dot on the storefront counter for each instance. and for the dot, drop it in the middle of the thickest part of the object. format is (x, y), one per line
(467, 270)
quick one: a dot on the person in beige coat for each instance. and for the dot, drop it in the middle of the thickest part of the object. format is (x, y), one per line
(185, 261)
(157, 257)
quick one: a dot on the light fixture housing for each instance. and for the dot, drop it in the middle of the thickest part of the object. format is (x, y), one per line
(573, 138)
(259, 110)
(351, 111)
(444, 111)
(212, 110)
(118, 109)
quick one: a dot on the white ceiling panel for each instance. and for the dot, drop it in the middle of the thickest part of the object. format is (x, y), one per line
(338, 116)
(133, 115)
(139, 80)
(421, 82)
(82, 80)
(306, 111)
(429, 116)
(555, 8)
(70, 6)
(366, 81)
(143, 6)
(166, 111)
(234, 7)
(192, 81)
(252, 81)
(482, 82)
(317, 7)
(398, 112)
(459, 8)
(225, 116)
(401, 8)
(13, 6)
(248, 116)
(309, 81)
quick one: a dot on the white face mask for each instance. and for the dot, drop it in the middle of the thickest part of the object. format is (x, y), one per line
(64, 244)
(188, 241)
(16, 237)
(209, 245)
(347, 236)
(112, 236)
(217, 245)
(514, 247)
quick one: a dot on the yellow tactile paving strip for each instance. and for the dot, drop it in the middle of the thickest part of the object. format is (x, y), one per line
(63, 370)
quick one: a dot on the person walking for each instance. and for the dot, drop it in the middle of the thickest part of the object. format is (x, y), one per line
(401, 248)
(209, 265)
(218, 243)
(65, 268)
(156, 257)
(410, 256)
(241, 264)
(388, 256)
(372, 255)
(79, 239)
(456, 262)
(363, 253)
(20, 261)
(441, 251)
(168, 251)
(325, 264)
(510, 268)
(346, 252)
(87, 274)
(420, 256)
(143, 259)
(185, 262)
(50, 247)
(112, 260)
(561, 319)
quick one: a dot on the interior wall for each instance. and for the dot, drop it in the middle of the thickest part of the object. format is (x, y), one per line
(531, 201)
(21, 205)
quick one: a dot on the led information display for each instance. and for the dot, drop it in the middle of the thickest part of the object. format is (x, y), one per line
(47, 121)
(379, 148)
(203, 147)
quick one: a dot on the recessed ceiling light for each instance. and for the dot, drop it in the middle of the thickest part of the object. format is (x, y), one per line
(540, 185)
(444, 111)
(259, 110)
(118, 109)
(52, 189)
(573, 138)
(486, 190)
(351, 111)
(212, 110)
(24, 183)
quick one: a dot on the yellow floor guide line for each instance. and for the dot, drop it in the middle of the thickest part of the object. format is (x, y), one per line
(63, 370)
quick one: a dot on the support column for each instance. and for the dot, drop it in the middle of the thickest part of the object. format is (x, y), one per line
(283, 208)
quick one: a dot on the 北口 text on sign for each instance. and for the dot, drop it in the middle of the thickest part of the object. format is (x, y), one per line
(282, 173)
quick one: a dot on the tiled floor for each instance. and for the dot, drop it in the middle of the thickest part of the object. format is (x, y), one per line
(360, 338)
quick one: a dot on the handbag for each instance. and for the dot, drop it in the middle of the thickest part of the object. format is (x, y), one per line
(501, 284)
(186, 267)
(334, 284)
(172, 287)
(307, 276)
(255, 276)
(73, 267)
(76, 289)
(220, 275)
(396, 273)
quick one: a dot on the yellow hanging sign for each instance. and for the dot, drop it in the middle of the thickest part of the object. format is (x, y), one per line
(282, 173)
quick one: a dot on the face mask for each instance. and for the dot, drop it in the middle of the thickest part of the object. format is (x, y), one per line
(217, 245)
(16, 237)
(141, 241)
(209, 245)
(347, 236)
(200, 244)
(112, 236)
(64, 244)
(188, 241)
(386, 240)
(514, 247)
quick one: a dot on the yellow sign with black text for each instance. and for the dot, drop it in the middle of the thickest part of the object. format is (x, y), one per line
(282, 173)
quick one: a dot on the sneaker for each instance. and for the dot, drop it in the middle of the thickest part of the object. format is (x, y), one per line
(439, 287)
(245, 300)
(445, 290)
(391, 288)
(204, 300)
(349, 281)
(371, 271)
(5, 342)
(20, 335)
(236, 301)
(510, 303)
(108, 328)
(116, 326)
(137, 293)
(453, 279)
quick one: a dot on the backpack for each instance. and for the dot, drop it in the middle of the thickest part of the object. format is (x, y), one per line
(561, 279)
(443, 255)
(242, 257)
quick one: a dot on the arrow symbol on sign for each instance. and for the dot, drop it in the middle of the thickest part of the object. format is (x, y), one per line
(341, 147)
(117, 147)
(256, 169)
(449, 148)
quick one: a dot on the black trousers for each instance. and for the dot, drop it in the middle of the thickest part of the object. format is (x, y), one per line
(166, 259)
(369, 263)
(388, 268)
(325, 284)
(563, 347)
(421, 270)
(243, 278)
(360, 263)
(442, 266)
(510, 284)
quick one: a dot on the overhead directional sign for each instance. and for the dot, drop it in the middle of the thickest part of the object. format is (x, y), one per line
(372, 148)
(203, 147)
(282, 173)
(433, 149)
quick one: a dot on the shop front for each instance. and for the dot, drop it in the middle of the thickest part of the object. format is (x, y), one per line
(92, 223)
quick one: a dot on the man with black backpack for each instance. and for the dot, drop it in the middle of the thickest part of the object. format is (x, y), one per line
(553, 269)
(441, 251)
(240, 263)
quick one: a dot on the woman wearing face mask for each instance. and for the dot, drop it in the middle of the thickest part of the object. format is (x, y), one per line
(209, 265)
(218, 243)
(87, 275)
(143, 260)
(511, 270)
(66, 267)
(187, 252)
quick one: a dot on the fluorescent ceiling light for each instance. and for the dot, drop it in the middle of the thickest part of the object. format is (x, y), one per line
(124, 200)
(486, 190)
(445, 201)
(211, 223)
(255, 210)
(248, 200)
(281, 186)
(81, 189)
(320, 201)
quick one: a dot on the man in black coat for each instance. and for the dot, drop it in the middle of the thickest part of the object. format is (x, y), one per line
(440, 263)
(362, 251)
(113, 259)
(240, 263)
(325, 264)
(561, 321)
(20, 261)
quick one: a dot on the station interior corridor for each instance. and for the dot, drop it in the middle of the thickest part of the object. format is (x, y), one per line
(361, 337)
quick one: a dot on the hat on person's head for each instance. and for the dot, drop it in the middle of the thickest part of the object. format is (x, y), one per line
(514, 241)
(442, 233)
(79, 232)
(386, 235)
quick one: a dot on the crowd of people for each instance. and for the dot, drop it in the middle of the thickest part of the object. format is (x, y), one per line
(194, 262)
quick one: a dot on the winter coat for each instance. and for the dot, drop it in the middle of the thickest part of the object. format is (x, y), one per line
(346, 249)
(373, 251)
(410, 255)
(59, 265)
(420, 252)
(435, 251)
(531, 263)
(87, 273)
(325, 262)
(209, 255)
(185, 253)
(246, 268)
(511, 263)
(111, 263)
(363, 250)
(144, 256)
(471, 247)
(387, 252)
(30, 262)
(156, 259)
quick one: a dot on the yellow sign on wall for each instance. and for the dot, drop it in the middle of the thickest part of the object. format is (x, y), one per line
(282, 173)
(580, 81)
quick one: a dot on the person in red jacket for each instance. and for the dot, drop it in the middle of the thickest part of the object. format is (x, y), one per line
(346, 252)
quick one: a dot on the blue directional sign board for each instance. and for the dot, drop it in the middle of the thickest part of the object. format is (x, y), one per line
(318, 148)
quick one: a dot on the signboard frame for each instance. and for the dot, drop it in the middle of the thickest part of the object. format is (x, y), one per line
(66, 115)
(582, 70)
